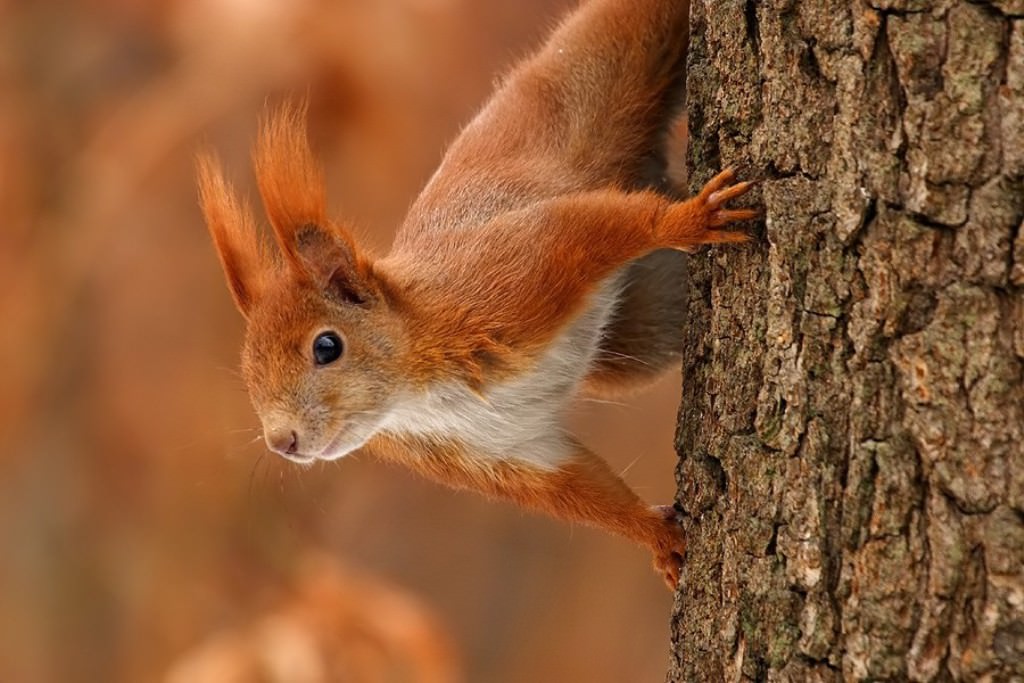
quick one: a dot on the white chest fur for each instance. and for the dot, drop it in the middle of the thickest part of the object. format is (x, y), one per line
(519, 419)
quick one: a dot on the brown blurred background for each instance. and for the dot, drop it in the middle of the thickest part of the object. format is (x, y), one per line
(145, 535)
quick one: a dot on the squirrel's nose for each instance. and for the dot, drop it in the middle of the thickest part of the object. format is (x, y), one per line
(282, 441)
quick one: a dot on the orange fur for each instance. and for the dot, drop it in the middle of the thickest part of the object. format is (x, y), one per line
(544, 200)
(246, 263)
(582, 490)
(291, 182)
(519, 302)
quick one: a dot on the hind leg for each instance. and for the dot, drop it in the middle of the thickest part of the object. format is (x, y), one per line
(642, 340)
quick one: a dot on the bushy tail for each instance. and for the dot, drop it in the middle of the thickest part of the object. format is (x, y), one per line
(610, 81)
(589, 110)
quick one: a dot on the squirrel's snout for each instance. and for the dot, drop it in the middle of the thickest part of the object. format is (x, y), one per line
(282, 441)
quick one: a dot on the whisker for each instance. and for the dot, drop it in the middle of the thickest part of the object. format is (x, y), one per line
(266, 475)
(630, 465)
(603, 401)
(234, 372)
(607, 353)
(241, 430)
(241, 449)
(252, 473)
(211, 439)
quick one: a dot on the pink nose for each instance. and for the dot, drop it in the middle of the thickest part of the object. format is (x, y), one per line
(282, 441)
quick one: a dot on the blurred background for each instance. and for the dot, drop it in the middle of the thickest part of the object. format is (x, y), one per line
(145, 535)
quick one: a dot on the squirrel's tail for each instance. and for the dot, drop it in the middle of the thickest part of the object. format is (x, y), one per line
(609, 82)
(590, 109)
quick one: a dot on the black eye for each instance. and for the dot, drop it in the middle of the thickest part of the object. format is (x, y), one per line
(327, 348)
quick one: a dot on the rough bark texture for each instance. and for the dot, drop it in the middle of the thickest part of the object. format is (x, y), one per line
(852, 467)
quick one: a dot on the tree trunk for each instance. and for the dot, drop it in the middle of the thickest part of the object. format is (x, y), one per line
(852, 427)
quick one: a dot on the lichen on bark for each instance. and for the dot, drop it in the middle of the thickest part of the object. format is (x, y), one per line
(851, 436)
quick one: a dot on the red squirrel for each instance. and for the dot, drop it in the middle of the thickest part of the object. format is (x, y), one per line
(537, 263)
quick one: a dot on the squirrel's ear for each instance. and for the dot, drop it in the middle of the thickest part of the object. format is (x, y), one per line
(333, 264)
(292, 186)
(246, 262)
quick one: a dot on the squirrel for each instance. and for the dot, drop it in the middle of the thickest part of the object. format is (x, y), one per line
(540, 261)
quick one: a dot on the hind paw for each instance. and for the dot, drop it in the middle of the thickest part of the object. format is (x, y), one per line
(670, 547)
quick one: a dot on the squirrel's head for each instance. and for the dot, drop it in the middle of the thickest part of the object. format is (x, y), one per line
(323, 345)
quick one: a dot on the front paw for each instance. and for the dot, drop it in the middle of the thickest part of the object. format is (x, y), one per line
(693, 222)
(717, 192)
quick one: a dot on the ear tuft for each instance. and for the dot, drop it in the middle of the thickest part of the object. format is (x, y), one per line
(243, 255)
(291, 183)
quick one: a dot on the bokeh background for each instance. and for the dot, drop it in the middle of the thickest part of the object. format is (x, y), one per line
(145, 535)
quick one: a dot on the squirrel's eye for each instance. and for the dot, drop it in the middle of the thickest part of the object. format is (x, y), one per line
(327, 348)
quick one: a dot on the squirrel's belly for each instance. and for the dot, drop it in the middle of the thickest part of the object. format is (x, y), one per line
(518, 419)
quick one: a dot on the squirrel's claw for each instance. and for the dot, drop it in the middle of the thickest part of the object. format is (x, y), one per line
(720, 197)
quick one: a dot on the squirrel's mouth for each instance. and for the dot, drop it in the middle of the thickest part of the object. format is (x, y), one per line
(352, 436)
(299, 458)
(349, 438)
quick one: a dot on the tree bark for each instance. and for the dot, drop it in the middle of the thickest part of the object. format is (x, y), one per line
(851, 436)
